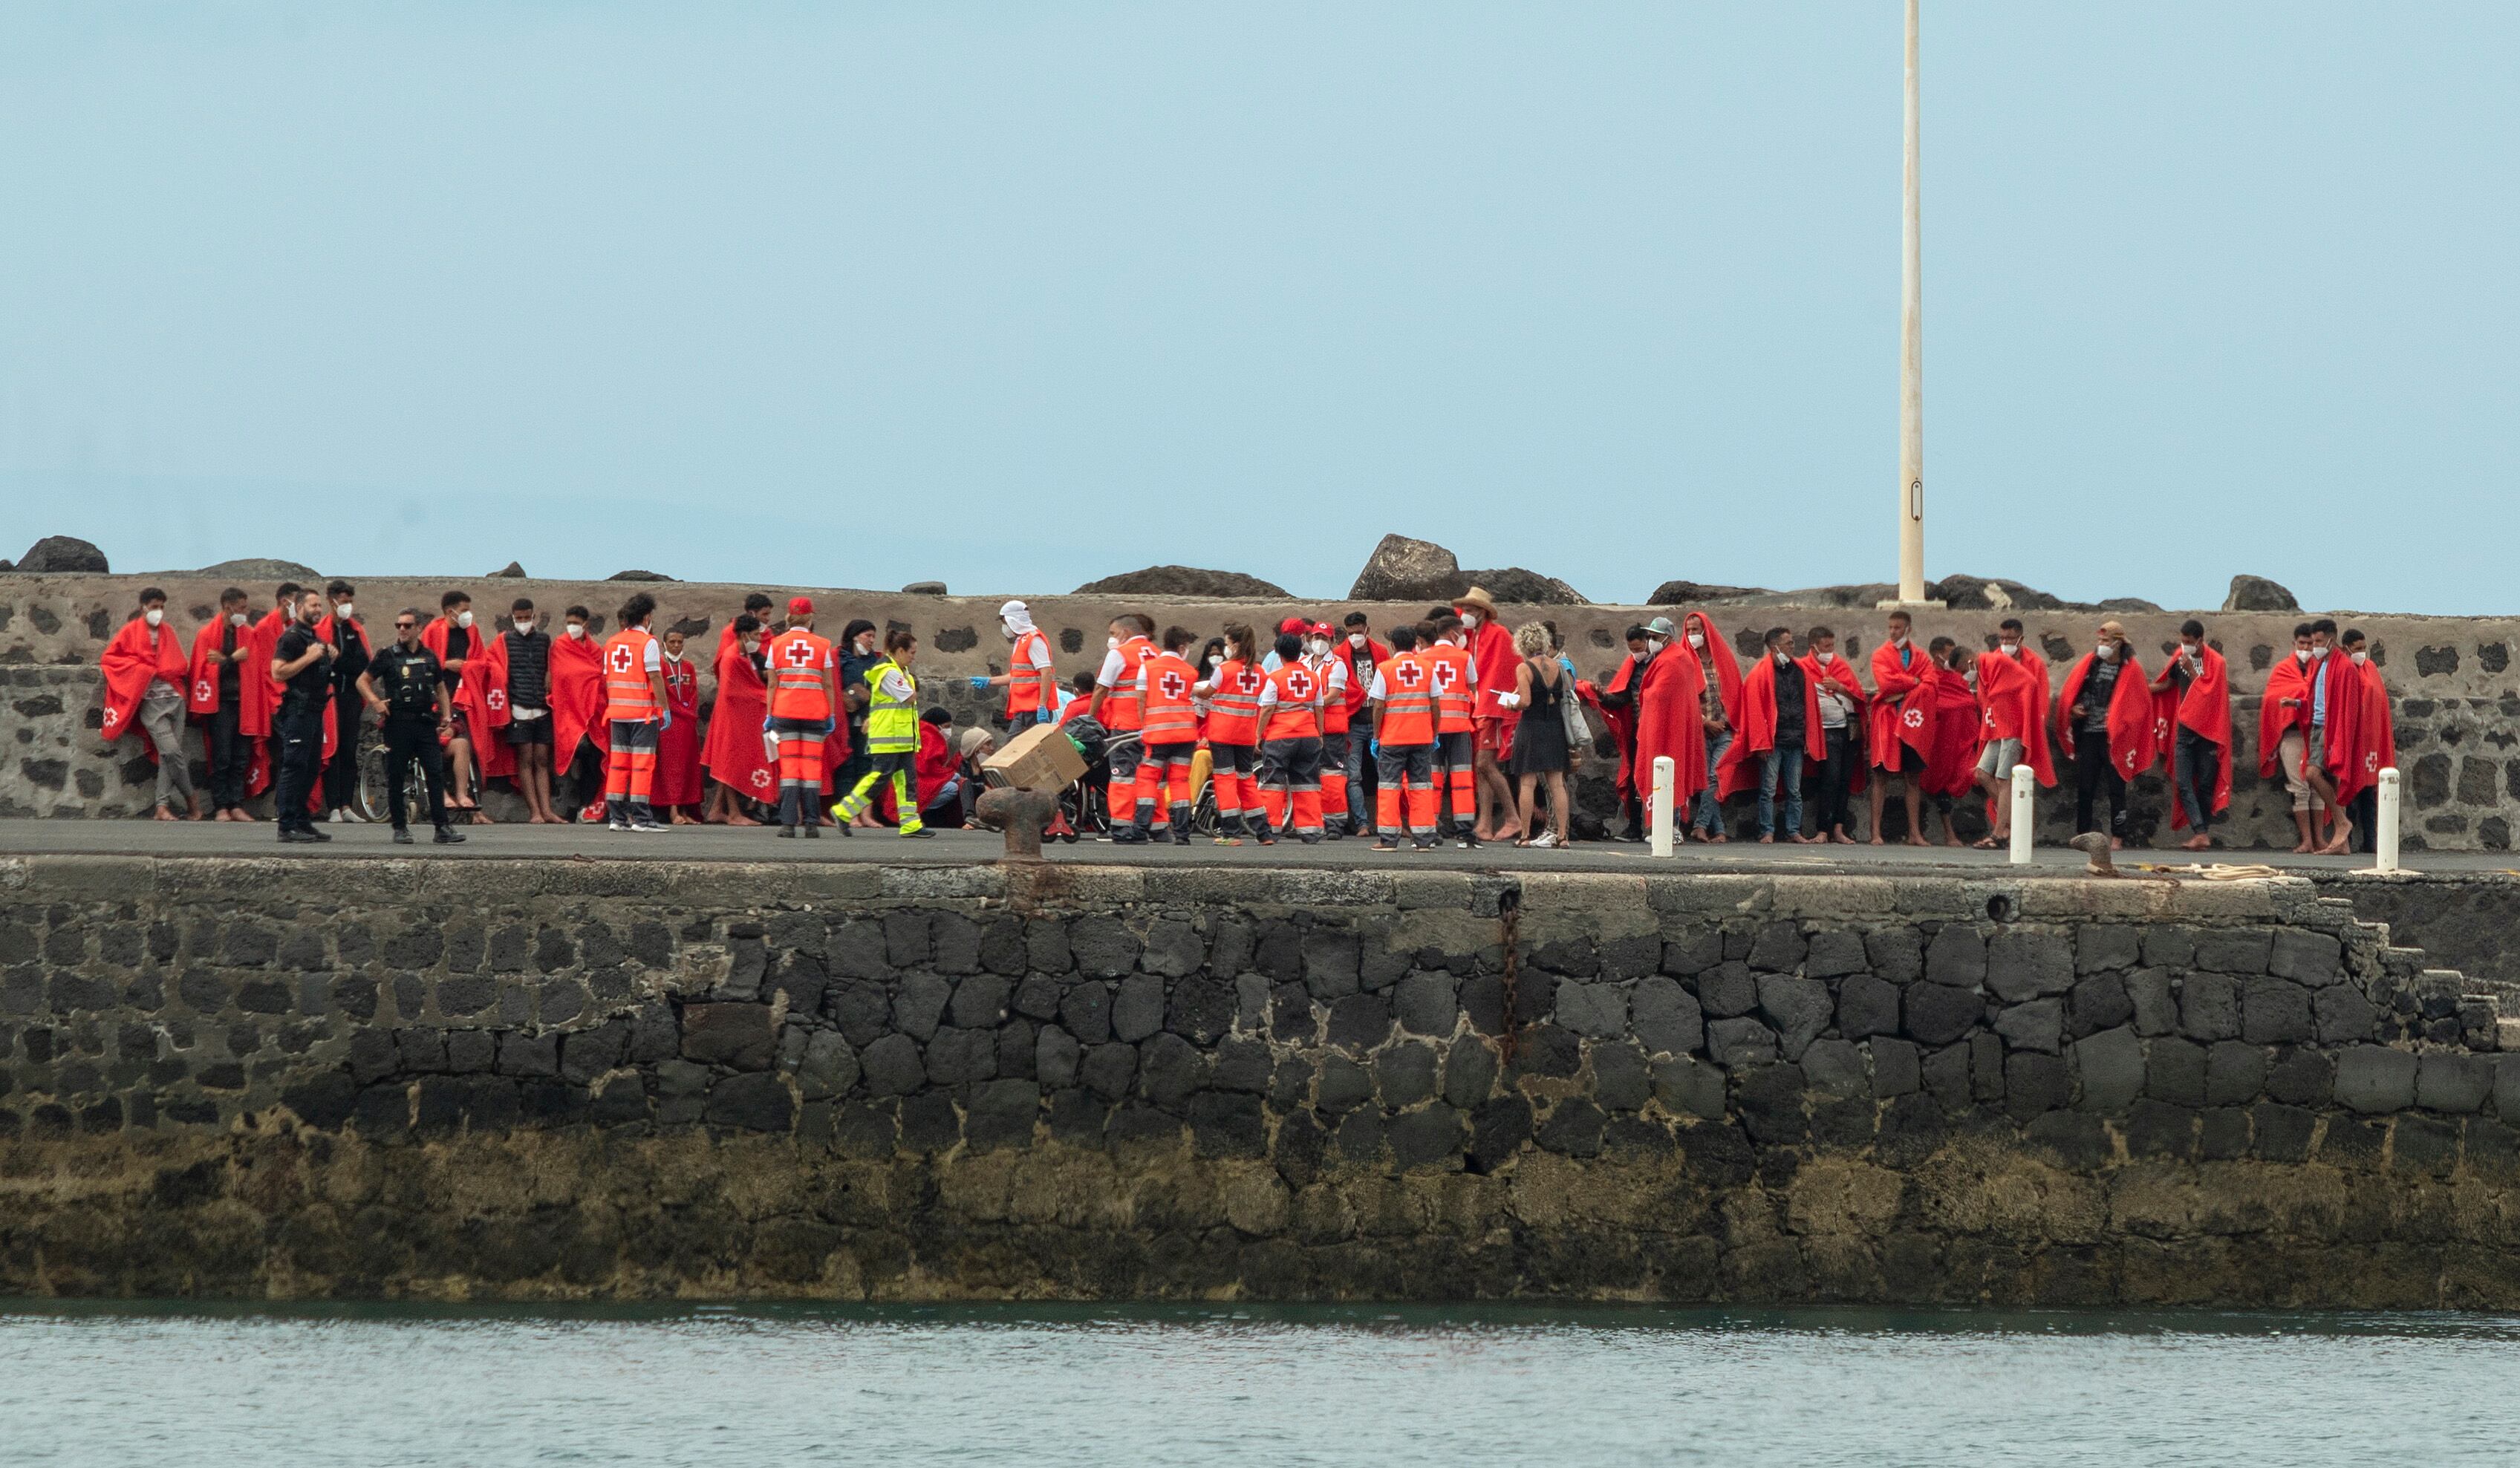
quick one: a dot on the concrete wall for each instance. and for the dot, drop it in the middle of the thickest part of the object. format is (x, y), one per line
(553, 1080)
(2459, 714)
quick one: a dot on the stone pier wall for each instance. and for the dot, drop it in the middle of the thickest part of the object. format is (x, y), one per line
(516, 1080)
(2458, 709)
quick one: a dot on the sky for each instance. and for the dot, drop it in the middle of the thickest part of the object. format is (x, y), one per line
(1018, 296)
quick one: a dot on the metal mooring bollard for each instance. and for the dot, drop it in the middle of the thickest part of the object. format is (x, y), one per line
(2384, 841)
(1662, 782)
(2022, 777)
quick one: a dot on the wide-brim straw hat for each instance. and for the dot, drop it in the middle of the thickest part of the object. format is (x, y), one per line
(1478, 597)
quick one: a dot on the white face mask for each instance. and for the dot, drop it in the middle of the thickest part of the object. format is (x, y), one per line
(1898, 640)
(673, 657)
(2301, 655)
(1696, 641)
(1469, 620)
(2104, 650)
(2359, 659)
(154, 615)
(2011, 649)
(236, 619)
(751, 644)
(1112, 641)
(1784, 658)
(1317, 647)
(2191, 652)
(463, 619)
(342, 611)
(1356, 639)
(525, 627)
(1823, 659)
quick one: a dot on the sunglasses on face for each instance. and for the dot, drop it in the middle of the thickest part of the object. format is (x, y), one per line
(405, 626)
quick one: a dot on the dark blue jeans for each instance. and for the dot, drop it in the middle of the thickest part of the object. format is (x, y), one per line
(1782, 766)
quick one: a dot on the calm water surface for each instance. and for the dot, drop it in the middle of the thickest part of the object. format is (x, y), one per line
(114, 1385)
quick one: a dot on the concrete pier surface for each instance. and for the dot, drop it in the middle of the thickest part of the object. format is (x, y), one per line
(718, 843)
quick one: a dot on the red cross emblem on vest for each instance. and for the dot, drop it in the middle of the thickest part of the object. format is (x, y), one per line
(622, 657)
(1299, 683)
(800, 654)
(1172, 684)
(1408, 676)
(1445, 678)
(1246, 681)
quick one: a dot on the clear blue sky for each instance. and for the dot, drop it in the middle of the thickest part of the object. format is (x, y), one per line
(1021, 295)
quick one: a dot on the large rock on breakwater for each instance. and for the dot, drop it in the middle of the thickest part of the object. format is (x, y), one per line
(57, 553)
(2258, 594)
(1181, 581)
(1402, 569)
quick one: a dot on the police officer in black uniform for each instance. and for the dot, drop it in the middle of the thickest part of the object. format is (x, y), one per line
(302, 662)
(403, 684)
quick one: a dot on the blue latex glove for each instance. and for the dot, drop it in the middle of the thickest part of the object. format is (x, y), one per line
(765, 723)
(830, 724)
(667, 715)
(980, 680)
(1373, 749)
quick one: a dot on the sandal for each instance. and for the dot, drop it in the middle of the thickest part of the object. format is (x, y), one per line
(1987, 843)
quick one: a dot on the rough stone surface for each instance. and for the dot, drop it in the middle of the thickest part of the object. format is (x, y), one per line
(1402, 569)
(2258, 594)
(1178, 581)
(570, 1080)
(56, 554)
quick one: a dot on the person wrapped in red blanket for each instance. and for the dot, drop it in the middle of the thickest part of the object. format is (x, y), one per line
(738, 768)
(2107, 729)
(2193, 726)
(1899, 725)
(147, 675)
(1951, 765)
(1670, 719)
(1777, 734)
(1617, 700)
(2362, 738)
(220, 696)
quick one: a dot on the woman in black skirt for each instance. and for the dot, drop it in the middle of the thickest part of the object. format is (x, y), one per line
(1540, 755)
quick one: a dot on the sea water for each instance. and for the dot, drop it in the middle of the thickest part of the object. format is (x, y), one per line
(97, 1385)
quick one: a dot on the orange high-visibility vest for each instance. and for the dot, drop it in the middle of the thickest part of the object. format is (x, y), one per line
(1121, 708)
(796, 661)
(1170, 720)
(1455, 675)
(1408, 700)
(1236, 718)
(1296, 713)
(629, 699)
(1334, 705)
(1023, 679)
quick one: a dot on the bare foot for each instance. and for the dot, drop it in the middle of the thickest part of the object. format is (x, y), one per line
(1799, 839)
(1843, 839)
(1877, 841)
(683, 820)
(1951, 840)
(1770, 840)
(1918, 839)
(1717, 839)
(2303, 849)
(739, 819)
(164, 813)
(2197, 843)
(2117, 843)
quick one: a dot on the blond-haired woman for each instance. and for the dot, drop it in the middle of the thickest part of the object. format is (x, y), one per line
(1540, 753)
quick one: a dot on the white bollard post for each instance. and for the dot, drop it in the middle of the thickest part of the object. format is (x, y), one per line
(2022, 775)
(1662, 781)
(2384, 841)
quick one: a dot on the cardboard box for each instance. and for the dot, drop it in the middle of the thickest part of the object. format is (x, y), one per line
(1041, 758)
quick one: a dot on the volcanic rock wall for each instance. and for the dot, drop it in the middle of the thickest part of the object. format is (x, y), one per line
(2458, 709)
(543, 1080)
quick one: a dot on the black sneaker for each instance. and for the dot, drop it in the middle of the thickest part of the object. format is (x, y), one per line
(402, 835)
(813, 831)
(448, 835)
(313, 833)
(920, 834)
(787, 832)
(293, 836)
(1128, 836)
(1181, 835)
